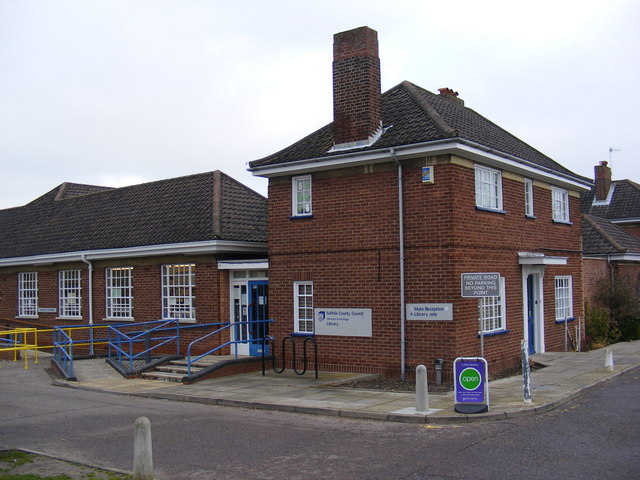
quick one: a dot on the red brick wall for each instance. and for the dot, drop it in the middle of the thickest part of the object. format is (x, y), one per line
(211, 294)
(349, 249)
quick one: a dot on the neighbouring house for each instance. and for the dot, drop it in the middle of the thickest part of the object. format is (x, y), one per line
(187, 248)
(611, 238)
(375, 218)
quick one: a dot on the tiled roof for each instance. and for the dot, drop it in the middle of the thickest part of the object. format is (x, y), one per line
(207, 206)
(624, 203)
(601, 237)
(412, 115)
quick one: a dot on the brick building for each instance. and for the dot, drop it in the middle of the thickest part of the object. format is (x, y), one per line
(374, 218)
(187, 248)
(611, 235)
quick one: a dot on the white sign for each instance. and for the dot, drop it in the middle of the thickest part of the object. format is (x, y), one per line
(429, 311)
(480, 284)
(345, 322)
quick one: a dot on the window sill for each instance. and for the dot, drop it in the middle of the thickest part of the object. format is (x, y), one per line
(568, 320)
(27, 317)
(119, 319)
(493, 334)
(300, 217)
(70, 318)
(302, 334)
(492, 210)
(180, 320)
(562, 222)
(530, 217)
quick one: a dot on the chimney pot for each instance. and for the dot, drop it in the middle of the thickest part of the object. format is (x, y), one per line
(450, 95)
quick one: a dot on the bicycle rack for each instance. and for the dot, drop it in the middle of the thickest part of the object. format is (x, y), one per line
(269, 338)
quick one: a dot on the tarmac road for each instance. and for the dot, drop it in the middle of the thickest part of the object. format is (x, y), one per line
(595, 437)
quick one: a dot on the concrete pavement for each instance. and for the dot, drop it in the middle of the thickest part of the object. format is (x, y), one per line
(565, 377)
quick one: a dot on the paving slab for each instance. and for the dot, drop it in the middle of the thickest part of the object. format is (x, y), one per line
(565, 376)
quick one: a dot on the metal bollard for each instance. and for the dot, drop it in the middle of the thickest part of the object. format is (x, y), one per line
(439, 365)
(422, 389)
(142, 451)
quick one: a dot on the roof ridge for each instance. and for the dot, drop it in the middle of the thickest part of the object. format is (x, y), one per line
(605, 235)
(439, 122)
(630, 182)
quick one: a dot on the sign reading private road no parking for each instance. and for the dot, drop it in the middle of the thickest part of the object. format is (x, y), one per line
(480, 284)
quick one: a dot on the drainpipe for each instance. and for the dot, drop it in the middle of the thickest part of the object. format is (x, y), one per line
(90, 270)
(612, 274)
(401, 235)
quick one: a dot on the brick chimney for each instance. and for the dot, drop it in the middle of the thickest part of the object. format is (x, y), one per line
(356, 88)
(602, 181)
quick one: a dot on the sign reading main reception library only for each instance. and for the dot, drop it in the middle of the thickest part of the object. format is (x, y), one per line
(429, 311)
(344, 322)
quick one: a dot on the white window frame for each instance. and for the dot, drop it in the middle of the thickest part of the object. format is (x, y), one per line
(119, 292)
(70, 294)
(564, 297)
(493, 311)
(560, 205)
(27, 294)
(528, 197)
(301, 197)
(488, 188)
(303, 307)
(178, 292)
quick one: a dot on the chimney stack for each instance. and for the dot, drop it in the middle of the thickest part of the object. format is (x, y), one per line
(357, 120)
(602, 181)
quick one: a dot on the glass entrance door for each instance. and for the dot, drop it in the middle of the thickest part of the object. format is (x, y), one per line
(258, 310)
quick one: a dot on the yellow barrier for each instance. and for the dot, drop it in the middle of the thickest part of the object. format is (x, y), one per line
(19, 340)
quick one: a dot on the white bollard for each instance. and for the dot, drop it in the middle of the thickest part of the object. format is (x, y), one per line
(608, 359)
(142, 452)
(422, 389)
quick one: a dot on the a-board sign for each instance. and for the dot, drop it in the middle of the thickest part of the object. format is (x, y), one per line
(480, 284)
(471, 385)
(345, 322)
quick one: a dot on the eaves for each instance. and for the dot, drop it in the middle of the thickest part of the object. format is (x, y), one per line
(455, 146)
(190, 248)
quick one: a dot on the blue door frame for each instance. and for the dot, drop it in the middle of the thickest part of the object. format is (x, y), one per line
(258, 310)
(531, 313)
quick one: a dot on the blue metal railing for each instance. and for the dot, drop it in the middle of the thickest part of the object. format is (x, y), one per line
(63, 351)
(127, 343)
(226, 326)
(123, 338)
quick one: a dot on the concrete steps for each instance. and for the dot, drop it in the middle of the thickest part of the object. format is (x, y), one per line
(176, 370)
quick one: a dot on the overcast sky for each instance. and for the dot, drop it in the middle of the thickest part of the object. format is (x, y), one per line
(117, 92)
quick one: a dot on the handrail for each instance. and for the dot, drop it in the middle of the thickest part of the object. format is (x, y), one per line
(62, 356)
(63, 343)
(20, 342)
(225, 326)
(141, 336)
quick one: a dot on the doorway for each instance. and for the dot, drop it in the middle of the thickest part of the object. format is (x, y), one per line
(532, 308)
(249, 304)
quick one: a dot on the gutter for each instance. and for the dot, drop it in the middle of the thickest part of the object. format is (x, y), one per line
(191, 248)
(455, 145)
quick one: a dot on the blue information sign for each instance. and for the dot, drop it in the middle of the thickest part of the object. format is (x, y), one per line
(471, 385)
